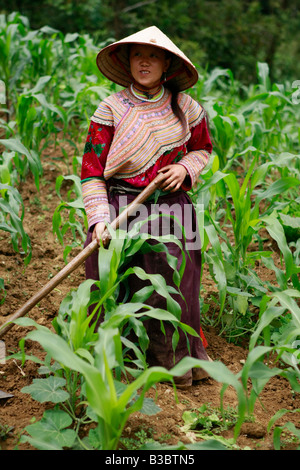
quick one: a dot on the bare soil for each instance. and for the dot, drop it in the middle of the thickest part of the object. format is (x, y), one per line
(22, 282)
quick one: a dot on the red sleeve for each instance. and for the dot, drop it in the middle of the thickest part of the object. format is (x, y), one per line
(200, 139)
(199, 148)
(96, 149)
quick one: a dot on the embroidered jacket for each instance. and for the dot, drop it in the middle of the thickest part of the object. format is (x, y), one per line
(132, 140)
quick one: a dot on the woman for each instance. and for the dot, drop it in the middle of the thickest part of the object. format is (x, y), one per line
(150, 127)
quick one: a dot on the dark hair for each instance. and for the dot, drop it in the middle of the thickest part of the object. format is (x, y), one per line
(174, 92)
(172, 87)
(178, 111)
(174, 103)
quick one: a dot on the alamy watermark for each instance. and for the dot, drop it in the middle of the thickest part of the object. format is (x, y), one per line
(2, 92)
(296, 94)
(164, 220)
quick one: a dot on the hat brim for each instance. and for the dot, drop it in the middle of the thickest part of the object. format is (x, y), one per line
(113, 63)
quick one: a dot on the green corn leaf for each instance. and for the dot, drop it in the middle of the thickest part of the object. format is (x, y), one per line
(268, 316)
(286, 300)
(42, 81)
(16, 145)
(276, 231)
(278, 187)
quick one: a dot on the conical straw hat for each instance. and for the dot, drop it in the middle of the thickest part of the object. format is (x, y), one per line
(113, 60)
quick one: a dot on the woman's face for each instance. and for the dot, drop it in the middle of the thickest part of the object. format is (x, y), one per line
(147, 65)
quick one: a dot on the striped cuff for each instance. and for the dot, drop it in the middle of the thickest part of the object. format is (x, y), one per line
(194, 162)
(95, 201)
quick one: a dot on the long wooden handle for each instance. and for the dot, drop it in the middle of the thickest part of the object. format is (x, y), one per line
(83, 255)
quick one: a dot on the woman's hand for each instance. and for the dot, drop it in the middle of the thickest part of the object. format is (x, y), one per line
(98, 231)
(174, 177)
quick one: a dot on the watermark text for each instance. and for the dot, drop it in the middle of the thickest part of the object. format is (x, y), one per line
(296, 93)
(161, 220)
(2, 92)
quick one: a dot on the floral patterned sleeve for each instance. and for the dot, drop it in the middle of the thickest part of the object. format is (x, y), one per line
(199, 148)
(94, 190)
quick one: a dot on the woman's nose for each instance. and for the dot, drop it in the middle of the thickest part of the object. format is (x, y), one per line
(144, 59)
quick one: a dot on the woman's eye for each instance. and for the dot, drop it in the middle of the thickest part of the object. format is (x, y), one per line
(152, 55)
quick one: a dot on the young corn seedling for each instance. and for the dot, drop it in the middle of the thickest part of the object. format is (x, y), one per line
(11, 220)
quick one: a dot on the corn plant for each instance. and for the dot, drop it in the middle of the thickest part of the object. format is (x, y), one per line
(106, 297)
(110, 402)
(36, 117)
(231, 262)
(11, 220)
(95, 356)
(8, 174)
(24, 160)
(289, 427)
(290, 273)
(72, 206)
(282, 343)
(12, 61)
(97, 361)
(114, 273)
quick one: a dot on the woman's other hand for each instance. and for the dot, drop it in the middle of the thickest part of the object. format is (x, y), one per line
(98, 231)
(174, 177)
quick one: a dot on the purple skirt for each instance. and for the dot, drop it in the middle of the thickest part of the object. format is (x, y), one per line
(160, 351)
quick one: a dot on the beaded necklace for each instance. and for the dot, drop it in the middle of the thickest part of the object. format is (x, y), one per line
(150, 97)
